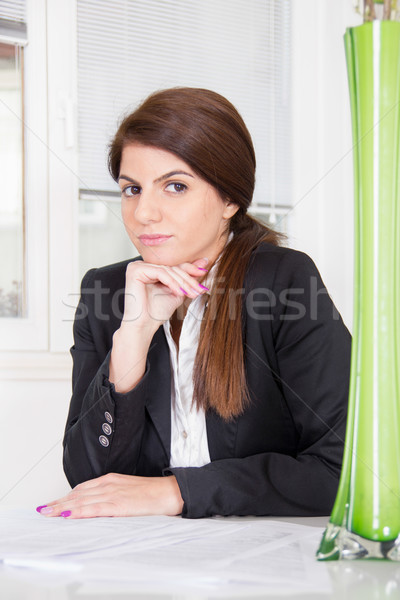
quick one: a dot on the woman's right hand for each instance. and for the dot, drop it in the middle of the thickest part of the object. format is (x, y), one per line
(152, 294)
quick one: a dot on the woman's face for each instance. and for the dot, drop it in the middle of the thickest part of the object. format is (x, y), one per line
(171, 214)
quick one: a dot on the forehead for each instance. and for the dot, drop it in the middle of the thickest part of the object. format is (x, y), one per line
(156, 160)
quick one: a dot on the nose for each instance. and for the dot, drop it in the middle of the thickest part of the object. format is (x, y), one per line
(147, 209)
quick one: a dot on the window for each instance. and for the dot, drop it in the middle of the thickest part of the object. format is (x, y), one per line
(12, 242)
(23, 176)
(12, 285)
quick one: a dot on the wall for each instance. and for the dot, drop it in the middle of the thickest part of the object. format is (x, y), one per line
(322, 217)
(33, 414)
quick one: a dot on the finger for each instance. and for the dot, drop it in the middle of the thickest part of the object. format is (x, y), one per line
(95, 509)
(147, 273)
(76, 493)
(41, 508)
(182, 280)
(53, 509)
(188, 282)
(85, 492)
(202, 264)
(65, 509)
(179, 282)
(195, 269)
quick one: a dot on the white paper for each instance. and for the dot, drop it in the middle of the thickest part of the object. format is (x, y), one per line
(219, 555)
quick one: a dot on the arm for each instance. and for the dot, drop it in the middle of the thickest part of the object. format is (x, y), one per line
(102, 473)
(85, 457)
(308, 351)
(109, 367)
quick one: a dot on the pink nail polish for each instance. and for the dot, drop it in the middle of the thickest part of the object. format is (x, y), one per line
(201, 269)
(47, 510)
(204, 287)
(39, 508)
(184, 291)
(65, 513)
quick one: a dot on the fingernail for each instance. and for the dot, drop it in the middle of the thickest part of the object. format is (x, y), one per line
(47, 510)
(204, 287)
(65, 513)
(39, 508)
(184, 291)
(201, 269)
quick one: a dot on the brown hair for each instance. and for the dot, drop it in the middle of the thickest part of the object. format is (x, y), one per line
(206, 131)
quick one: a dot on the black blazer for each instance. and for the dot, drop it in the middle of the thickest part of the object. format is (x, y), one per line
(282, 456)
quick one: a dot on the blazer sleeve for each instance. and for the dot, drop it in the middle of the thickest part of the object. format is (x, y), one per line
(311, 363)
(104, 428)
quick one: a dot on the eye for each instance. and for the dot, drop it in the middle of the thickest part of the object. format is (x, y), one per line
(131, 190)
(176, 188)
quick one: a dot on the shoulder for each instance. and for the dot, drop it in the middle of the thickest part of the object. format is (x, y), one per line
(109, 275)
(279, 264)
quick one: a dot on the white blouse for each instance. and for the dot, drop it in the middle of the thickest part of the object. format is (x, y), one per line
(189, 445)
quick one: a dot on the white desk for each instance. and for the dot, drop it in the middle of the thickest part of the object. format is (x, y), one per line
(368, 580)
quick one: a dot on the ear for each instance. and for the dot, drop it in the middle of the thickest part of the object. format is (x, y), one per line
(229, 210)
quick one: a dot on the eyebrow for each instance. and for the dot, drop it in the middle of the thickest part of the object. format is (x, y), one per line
(159, 179)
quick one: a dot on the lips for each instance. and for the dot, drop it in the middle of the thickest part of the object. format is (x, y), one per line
(153, 239)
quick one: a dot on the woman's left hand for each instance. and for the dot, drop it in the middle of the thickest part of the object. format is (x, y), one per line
(116, 495)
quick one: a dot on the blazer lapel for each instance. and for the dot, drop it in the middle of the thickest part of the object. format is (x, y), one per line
(158, 400)
(221, 436)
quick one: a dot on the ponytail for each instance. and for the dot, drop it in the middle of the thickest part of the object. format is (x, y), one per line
(219, 372)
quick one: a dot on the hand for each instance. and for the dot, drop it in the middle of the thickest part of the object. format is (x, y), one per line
(154, 292)
(116, 495)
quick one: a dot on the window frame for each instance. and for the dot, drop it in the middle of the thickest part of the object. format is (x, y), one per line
(31, 332)
(63, 171)
(51, 191)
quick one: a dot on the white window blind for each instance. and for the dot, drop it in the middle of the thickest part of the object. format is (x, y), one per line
(240, 49)
(14, 10)
(13, 22)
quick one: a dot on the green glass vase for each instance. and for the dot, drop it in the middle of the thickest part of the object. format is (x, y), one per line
(365, 521)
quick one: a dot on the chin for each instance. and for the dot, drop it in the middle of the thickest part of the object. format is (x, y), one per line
(160, 258)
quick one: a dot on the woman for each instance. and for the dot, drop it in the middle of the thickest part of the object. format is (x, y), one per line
(211, 374)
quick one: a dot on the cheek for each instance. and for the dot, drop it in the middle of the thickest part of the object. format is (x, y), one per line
(208, 211)
(127, 213)
(212, 212)
(128, 220)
